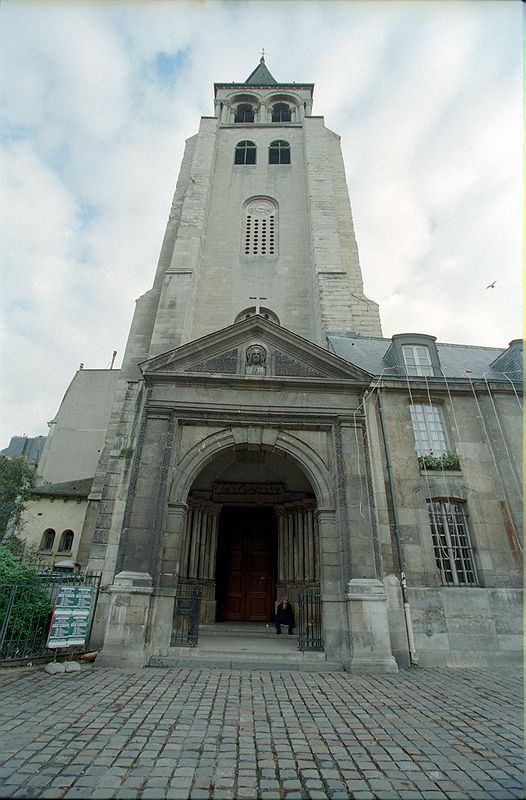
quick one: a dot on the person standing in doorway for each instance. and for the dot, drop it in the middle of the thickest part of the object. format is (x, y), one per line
(285, 616)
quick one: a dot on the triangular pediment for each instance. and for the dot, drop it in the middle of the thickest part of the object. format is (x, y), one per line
(254, 348)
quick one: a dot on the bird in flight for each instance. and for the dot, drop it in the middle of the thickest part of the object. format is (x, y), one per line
(492, 285)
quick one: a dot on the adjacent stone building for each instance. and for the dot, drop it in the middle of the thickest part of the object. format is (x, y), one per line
(53, 520)
(265, 439)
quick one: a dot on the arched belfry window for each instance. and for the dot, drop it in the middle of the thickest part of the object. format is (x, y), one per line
(281, 113)
(260, 228)
(244, 113)
(245, 153)
(279, 152)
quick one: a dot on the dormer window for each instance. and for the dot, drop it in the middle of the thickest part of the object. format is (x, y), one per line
(281, 113)
(417, 359)
(245, 153)
(244, 113)
(279, 152)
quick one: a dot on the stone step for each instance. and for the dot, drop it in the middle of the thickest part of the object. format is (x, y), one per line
(245, 661)
(237, 629)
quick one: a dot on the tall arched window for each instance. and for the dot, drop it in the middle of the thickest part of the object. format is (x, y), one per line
(244, 113)
(260, 228)
(279, 152)
(281, 113)
(66, 541)
(245, 153)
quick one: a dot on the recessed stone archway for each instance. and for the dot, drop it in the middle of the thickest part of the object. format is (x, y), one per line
(242, 502)
(281, 443)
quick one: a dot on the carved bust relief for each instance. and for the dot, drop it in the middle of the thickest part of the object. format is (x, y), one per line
(256, 360)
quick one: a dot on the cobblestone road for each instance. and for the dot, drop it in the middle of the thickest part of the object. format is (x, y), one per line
(109, 733)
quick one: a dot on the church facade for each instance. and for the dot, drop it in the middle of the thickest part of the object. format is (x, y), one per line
(265, 440)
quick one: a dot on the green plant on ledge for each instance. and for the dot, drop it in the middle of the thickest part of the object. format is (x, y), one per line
(445, 461)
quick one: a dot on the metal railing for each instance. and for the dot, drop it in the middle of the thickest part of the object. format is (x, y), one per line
(187, 614)
(26, 608)
(309, 620)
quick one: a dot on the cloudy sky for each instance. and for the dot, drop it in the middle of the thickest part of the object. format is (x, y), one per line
(98, 98)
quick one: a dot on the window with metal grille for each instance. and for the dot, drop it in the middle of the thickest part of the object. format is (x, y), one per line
(66, 541)
(244, 113)
(260, 228)
(48, 540)
(417, 359)
(451, 542)
(281, 113)
(279, 152)
(245, 153)
(429, 429)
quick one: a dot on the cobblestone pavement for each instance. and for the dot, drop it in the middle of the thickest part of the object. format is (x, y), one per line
(192, 733)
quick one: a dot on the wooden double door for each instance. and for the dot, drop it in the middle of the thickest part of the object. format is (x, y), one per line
(246, 558)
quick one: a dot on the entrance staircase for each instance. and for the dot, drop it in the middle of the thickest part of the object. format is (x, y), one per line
(246, 646)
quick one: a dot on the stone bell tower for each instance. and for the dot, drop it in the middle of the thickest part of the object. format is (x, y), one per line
(234, 428)
(261, 209)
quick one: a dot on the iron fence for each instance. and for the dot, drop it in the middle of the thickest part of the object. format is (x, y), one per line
(187, 614)
(26, 609)
(309, 620)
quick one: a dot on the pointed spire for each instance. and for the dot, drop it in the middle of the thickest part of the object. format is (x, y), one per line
(261, 75)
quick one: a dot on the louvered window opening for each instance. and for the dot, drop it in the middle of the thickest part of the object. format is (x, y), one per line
(260, 235)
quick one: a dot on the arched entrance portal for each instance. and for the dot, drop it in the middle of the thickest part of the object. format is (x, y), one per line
(250, 535)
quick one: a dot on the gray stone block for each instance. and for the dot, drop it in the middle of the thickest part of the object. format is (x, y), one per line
(55, 668)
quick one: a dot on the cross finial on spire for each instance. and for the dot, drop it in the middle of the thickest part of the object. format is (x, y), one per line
(262, 59)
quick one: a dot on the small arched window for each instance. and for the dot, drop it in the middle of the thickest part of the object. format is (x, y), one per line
(279, 152)
(245, 153)
(244, 113)
(281, 113)
(48, 540)
(66, 541)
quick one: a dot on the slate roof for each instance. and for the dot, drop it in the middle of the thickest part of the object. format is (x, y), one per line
(261, 76)
(368, 353)
(80, 488)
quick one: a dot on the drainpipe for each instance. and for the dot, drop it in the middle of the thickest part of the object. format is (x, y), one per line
(413, 657)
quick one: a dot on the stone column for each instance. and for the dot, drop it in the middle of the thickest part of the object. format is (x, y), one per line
(309, 546)
(187, 539)
(195, 540)
(280, 513)
(174, 544)
(334, 611)
(363, 544)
